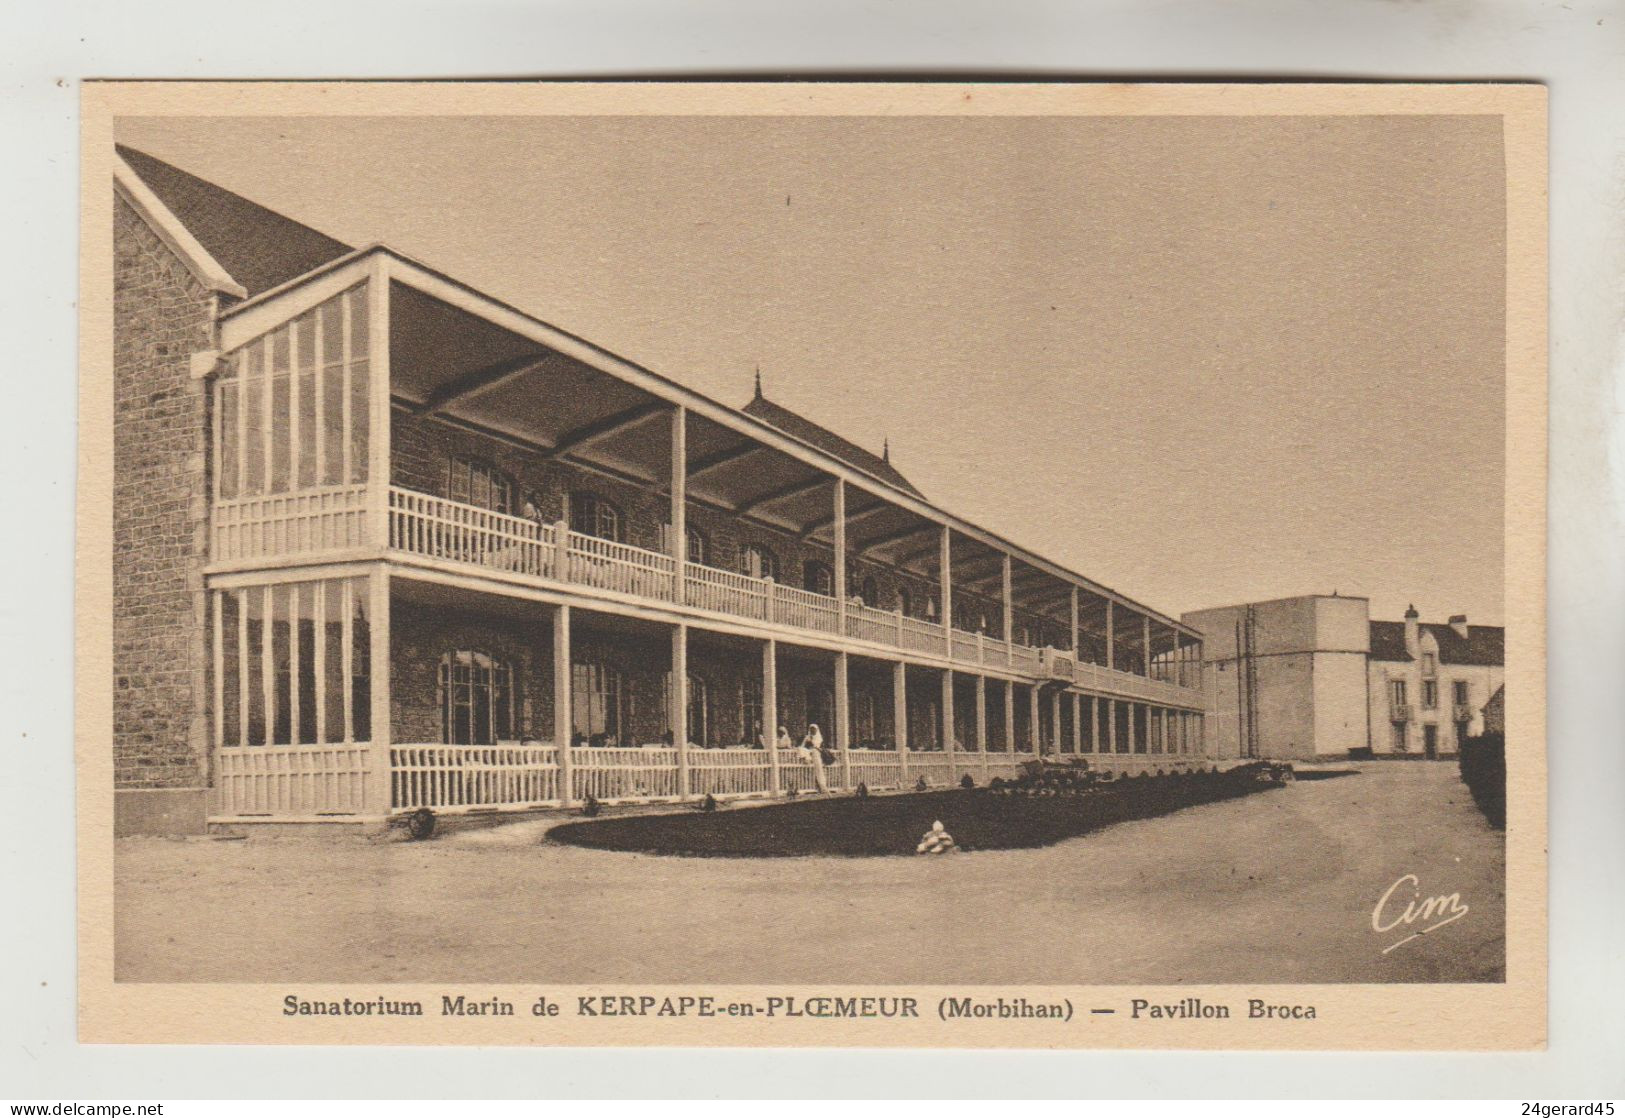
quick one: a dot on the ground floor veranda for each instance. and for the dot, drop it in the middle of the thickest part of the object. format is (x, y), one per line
(472, 692)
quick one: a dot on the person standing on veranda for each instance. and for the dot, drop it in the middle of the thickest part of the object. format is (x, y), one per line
(813, 752)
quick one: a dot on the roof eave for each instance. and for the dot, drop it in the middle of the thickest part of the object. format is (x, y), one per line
(169, 228)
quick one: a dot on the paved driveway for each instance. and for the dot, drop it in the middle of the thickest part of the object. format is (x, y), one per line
(1276, 887)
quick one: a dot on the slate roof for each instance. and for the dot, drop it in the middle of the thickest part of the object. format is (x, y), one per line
(259, 248)
(1484, 645)
(828, 441)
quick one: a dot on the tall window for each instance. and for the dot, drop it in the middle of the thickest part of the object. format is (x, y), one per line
(758, 562)
(1398, 740)
(1430, 663)
(698, 719)
(476, 699)
(595, 715)
(1430, 694)
(750, 714)
(1396, 692)
(905, 601)
(294, 664)
(821, 712)
(591, 515)
(865, 717)
(475, 482)
(292, 408)
(818, 577)
(1459, 692)
(869, 592)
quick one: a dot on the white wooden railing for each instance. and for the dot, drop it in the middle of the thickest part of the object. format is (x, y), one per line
(314, 520)
(451, 530)
(290, 781)
(442, 529)
(610, 774)
(473, 776)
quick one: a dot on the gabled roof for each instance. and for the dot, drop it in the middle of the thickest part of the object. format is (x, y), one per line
(1484, 645)
(258, 248)
(828, 441)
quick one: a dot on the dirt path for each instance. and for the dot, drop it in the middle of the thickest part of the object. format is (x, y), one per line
(1276, 887)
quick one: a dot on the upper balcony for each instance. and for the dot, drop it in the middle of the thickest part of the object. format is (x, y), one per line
(338, 396)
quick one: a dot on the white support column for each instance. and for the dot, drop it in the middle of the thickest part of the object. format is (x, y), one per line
(679, 503)
(1133, 728)
(1035, 733)
(1109, 711)
(380, 770)
(1009, 627)
(1077, 722)
(563, 723)
(839, 528)
(1074, 629)
(899, 716)
(770, 712)
(1111, 636)
(843, 718)
(981, 715)
(945, 566)
(1145, 666)
(948, 716)
(378, 387)
(1055, 722)
(1009, 717)
(679, 704)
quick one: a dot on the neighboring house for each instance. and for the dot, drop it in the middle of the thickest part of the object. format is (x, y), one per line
(1314, 678)
(1495, 712)
(384, 542)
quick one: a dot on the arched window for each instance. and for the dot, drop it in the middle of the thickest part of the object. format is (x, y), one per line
(868, 591)
(595, 713)
(758, 562)
(698, 547)
(818, 577)
(474, 481)
(591, 515)
(905, 601)
(476, 699)
(751, 730)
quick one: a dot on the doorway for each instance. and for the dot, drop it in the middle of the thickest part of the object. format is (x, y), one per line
(1430, 741)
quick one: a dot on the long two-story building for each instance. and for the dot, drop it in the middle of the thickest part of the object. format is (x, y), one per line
(384, 542)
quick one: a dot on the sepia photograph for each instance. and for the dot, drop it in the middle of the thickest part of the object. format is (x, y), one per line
(1000, 555)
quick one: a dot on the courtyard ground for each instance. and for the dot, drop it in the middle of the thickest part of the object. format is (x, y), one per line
(1273, 887)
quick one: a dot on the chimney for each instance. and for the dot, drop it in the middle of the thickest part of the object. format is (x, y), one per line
(1458, 622)
(1412, 637)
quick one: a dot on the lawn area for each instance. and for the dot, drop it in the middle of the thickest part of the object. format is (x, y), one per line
(1275, 887)
(978, 819)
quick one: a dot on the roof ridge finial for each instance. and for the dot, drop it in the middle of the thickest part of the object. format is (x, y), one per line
(759, 382)
(885, 449)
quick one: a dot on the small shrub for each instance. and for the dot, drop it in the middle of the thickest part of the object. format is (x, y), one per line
(1483, 762)
(863, 790)
(967, 781)
(592, 807)
(709, 803)
(920, 785)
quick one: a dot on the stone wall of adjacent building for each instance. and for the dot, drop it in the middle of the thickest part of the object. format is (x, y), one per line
(162, 315)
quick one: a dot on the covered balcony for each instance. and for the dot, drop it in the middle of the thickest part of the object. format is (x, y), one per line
(378, 411)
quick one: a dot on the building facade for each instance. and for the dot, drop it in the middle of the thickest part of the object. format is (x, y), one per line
(1313, 678)
(386, 543)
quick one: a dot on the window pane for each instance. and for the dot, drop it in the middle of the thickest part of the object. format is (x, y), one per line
(281, 654)
(358, 421)
(230, 668)
(253, 420)
(332, 331)
(305, 613)
(361, 661)
(254, 609)
(334, 682)
(279, 432)
(359, 334)
(227, 462)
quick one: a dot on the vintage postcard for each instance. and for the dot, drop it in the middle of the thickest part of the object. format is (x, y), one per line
(942, 565)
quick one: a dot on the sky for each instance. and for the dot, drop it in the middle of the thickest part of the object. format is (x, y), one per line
(1199, 360)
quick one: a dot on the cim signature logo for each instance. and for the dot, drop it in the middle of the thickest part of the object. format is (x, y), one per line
(1419, 916)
